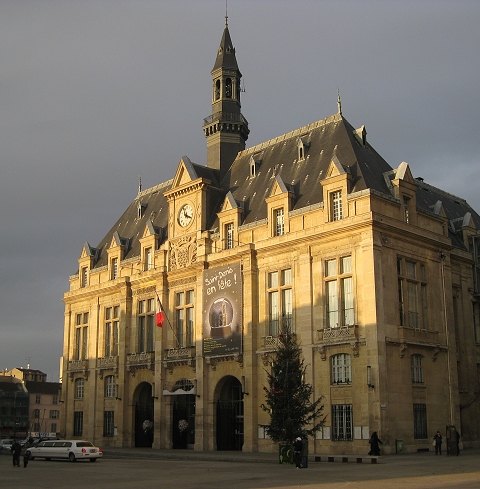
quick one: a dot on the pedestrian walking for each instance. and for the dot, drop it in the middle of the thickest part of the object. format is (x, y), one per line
(297, 452)
(374, 441)
(437, 441)
(16, 449)
(26, 458)
(304, 452)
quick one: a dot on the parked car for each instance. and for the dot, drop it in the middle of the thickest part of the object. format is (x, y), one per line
(71, 449)
(6, 444)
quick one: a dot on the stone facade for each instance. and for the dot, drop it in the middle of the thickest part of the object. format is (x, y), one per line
(375, 271)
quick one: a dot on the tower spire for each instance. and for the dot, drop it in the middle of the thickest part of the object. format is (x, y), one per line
(226, 129)
(339, 102)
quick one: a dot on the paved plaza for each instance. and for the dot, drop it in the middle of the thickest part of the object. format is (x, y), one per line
(135, 468)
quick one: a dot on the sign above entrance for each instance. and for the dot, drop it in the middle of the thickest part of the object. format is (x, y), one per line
(222, 310)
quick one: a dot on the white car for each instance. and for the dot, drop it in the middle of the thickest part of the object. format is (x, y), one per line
(6, 444)
(71, 449)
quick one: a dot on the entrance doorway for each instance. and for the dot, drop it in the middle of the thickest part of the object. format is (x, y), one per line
(229, 412)
(143, 415)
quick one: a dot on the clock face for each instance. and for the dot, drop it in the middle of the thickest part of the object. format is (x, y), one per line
(185, 215)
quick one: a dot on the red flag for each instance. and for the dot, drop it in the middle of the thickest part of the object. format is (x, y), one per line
(160, 317)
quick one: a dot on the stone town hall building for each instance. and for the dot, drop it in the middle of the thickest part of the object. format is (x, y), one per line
(376, 272)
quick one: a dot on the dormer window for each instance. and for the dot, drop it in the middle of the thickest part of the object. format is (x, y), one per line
(148, 259)
(114, 268)
(229, 237)
(279, 220)
(84, 277)
(252, 168)
(336, 208)
(302, 149)
(406, 209)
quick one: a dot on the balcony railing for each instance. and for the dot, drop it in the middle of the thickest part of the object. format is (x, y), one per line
(107, 362)
(343, 333)
(143, 360)
(77, 365)
(225, 117)
(182, 353)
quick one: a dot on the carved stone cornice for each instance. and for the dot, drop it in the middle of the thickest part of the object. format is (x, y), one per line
(213, 361)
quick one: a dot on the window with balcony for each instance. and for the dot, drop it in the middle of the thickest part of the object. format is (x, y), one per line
(341, 369)
(81, 336)
(146, 323)
(412, 294)
(111, 331)
(339, 292)
(342, 422)
(280, 301)
(184, 316)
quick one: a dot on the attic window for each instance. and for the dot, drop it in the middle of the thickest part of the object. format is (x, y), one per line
(406, 210)
(302, 147)
(252, 168)
(140, 210)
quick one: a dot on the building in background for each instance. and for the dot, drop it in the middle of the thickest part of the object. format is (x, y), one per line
(44, 410)
(376, 272)
(14, 401)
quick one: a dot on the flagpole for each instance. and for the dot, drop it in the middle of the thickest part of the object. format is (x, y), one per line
(168, 320)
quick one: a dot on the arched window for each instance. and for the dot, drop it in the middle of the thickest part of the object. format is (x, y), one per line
(110, 386)
(228, 88)
(417, 369)
(217, 90)
(79, 388)
(341, 369)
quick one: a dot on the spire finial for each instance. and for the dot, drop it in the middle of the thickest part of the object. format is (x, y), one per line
(226, 13)
(339, 102)
(139, 183)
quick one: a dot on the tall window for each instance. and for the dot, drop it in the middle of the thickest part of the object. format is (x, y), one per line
(84, 278)
(342, 420)
(81, 336)
(36, 413)
(78, 423)
(110, 386)
(108, 423)
(54, 413)
(229, 238)
(280, 301)
(111, 330)
(53, 427)
(406, 209)
(184, 311)
(339, 292)
(279, 222)
(420, 421)
(341, 369)
(417, 369)
(412, 294)
(114, 268)
(336, 206)
(38, 398)
(79, 388)
(148, 259)
(146, 320)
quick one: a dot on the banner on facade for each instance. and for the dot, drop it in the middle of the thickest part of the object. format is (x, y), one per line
(222, 310)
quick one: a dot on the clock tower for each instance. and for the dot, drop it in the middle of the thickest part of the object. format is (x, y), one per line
(226, 130)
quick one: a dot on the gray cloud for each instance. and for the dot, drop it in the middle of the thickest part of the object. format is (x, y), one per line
(96, 93)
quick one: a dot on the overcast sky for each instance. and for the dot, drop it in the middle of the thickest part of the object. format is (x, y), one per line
(95, 93)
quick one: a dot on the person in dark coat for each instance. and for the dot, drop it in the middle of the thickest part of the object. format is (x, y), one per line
(438, 443)
(297, 452)
(26, 458)
(374, 447)
(16, 449)
(304, 452)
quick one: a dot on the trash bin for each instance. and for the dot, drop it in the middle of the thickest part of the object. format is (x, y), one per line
(285, 453)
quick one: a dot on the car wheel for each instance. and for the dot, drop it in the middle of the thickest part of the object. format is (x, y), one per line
(93, 460)
(71, 456)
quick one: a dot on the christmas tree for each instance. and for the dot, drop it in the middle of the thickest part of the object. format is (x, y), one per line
(288, 396)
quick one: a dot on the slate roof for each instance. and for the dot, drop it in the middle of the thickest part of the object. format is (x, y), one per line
(323, 140)
(43, 387)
